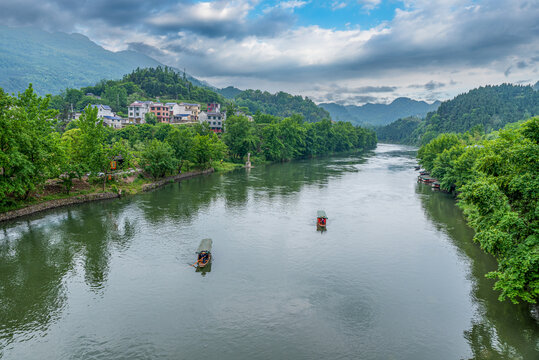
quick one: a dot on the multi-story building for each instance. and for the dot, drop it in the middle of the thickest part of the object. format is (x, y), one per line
(194, 109)
(214, 108)
(214, 119)
(103, 110)
(162, 112)
(137, 112)
(115, 122)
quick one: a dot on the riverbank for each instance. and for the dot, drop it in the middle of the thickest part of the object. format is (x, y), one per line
(116, 189)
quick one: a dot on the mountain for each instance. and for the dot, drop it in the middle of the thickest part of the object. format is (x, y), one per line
(280, 104)
(380, 114)
(536, 86)
(484, 109)
(55, 61)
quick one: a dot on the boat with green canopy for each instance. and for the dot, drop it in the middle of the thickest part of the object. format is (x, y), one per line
(204, 253)
(321, 219)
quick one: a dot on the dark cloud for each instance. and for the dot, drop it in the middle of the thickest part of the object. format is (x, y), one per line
(146, 16)
(358, 99)
(522, 64)
(269, 24)
(375, 89)
(431, 85)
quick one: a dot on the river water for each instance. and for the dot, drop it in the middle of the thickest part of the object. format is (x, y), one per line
(395, 276)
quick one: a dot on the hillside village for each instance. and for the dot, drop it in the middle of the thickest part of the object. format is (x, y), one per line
(168, 113)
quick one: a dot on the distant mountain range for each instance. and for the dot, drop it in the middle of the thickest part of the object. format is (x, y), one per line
(55, 61)
(484, 109)
(380, 114)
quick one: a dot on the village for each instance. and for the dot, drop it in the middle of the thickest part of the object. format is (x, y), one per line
(168, 113)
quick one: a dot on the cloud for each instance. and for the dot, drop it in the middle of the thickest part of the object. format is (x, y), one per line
(369, 4)
(431, 85)
(223, 19)
(292, 4)
(336, 5)
(426, 43)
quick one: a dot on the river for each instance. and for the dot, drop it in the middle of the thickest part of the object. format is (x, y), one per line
(395, 276)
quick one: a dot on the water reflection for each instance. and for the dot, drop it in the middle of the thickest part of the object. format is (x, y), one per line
(492, 332)
(36, 254)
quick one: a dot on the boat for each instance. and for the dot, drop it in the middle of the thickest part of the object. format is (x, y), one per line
(321, 219)
(417, 167)
(204, 253)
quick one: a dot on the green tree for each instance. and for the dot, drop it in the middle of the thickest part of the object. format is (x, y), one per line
(181, 140)
(150, 118)
(158, 159)
(30, 145)
(240, 136)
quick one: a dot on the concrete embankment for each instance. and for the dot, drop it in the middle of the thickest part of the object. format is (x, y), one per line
(179, 177)
(79, 199)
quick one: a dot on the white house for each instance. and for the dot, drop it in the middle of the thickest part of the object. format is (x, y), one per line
(137, 112)
(103, 110)
(214, 119)
(115, 122)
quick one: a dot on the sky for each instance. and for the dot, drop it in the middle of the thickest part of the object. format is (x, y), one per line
(343, 51)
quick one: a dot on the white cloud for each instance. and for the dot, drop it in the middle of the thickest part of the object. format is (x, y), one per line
(292, 4)
(369, 4)
(336, 5)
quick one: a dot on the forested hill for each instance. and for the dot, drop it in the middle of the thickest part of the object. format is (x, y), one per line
(141, 84)
(280, 104)
(55, 61)
(486, 109)
(380, 114)
(169, 85)
(229, 92)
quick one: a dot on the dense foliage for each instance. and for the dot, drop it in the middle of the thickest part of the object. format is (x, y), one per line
(30, 146)
(35, 149)
(141, 84)
(497, 178)
(280, 104)
(290, 138)
(486, 108)
(398, 131)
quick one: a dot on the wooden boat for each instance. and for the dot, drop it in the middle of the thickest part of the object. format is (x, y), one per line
(321, 219)
(204, 253)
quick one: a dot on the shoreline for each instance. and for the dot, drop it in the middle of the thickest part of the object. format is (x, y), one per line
(86, 198)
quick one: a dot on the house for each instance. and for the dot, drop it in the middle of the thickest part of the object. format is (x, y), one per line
(103, 110)
(162, 112)
(214, 108)
(182, 119)
(193, 108)
(214, 119)
(241, 113)
(115, 122)
(137, 112)
(173, 108)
